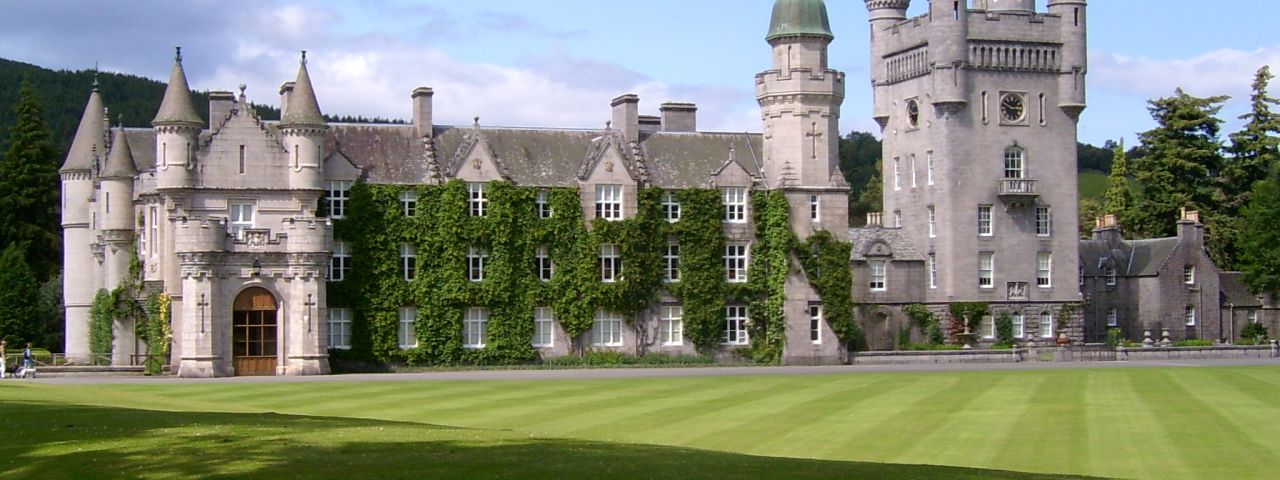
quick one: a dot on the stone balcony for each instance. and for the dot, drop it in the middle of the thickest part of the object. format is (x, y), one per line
(1018, 191)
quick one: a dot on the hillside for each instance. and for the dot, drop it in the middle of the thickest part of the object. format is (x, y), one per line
(1092, 184)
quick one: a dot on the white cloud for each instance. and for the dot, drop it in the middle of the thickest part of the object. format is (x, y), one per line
(1220, 72)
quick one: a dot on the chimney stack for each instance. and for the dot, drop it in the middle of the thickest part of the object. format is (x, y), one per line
(626, 116)
(285, 91)
(220, 104)
(422, 111)
(1190, 228)
(679, 117)
(1107, 228)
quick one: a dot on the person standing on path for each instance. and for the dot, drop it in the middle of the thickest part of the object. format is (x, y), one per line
(2, 359)
(27, 360)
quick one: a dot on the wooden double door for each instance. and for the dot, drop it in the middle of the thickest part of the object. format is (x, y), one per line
(254, 337)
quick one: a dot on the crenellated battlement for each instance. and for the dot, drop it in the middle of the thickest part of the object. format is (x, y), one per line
(200, 235)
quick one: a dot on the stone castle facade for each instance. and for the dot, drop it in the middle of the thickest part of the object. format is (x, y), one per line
(232, 216)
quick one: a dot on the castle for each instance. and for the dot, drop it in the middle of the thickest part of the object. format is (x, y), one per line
(234, 217)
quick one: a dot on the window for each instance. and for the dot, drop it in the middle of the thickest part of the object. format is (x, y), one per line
(408, 336)
(1013, 163)
(670, 207)
(1044, 270)
(154, 225)
(475, 327)
(340, 265)
(340, 328)
(1046, 325)
(735, 205)
(241, 218)
(984, 221)
(609, 202)
(408, 261)
(477, 199)
(897, 219)
(108, 201)
(544, 327)
(1191, 316)
(897, 173)
(913, 170)
(933, 271)
(878, 273)
(542, 263)
(543, 203)
(409, 203)
(610, 263)
(913, 114)
(735, 263)
(1019, 325)
(1189, 274)
(815, 324)
(242, 159)
(607, 329)
(477, 257)
(933, 222)
(339, 196)
(1044, 221)
(1113, 317)
(671, 326)
(1111, 276)
(986, 270)
(142, 235)
(671, 260)
(930, 174)
(1251, 316)
(988, 327)
(735, 329)
(815, 208)
(1082, 275)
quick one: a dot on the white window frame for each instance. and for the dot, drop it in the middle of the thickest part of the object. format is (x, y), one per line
(408, 336)
(735, 204)
(1111, 274)
(339, 197)
(340, 328)
(543, 204)
(986, 270)
(986, 221)
(477, 258)
(610, 263)
(897, 219)
(987, 326)
(670, 207)
(475, 328)
(671, 262)
(236, 218)
(1113, 317)
(930, 175)
(1189, 275)
(897, 173)
(1046, 325)
(408, 261)
(736, 262)
(1019, 324)
(154, 226)
(606, 330)
(544, 327)
(477, 199)
(878, 272)
(409, 203)
(340, 263)
(609, 202)
(1044, 221)
(933, 222)
(1190, 315)
(815, 324)
(913, 170)
(671, 325)
(815, 208)
(1044, 270)
(736, 323)
(933, 271)
(1251, 316)
(542, 263)
(1015, 163)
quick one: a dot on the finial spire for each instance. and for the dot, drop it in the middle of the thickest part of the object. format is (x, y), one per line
(304, 57)
(177, 56)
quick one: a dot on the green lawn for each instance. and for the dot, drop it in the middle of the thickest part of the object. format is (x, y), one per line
(1167, 423)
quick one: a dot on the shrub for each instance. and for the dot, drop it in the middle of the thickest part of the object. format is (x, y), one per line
(1115, 337)
(1255, 331)
(1194, 343)
(1004, 330)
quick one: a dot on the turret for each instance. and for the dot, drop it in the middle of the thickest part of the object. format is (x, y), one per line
(302, 132)
(116, 185)
(884, 14)
(177, 128)
(1028, 6)
(80, 283)
(948, 45)
(799, 32)
(1075, 57)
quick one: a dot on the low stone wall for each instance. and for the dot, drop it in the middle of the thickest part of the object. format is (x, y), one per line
(1193, 353)
(939, 357)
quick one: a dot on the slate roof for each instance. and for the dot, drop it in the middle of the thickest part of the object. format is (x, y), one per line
(120, 161)
(1132, 258)
(89, 135)
(903, 250)
(1235, 292)
(303, 108)
(176, 106)
(142, 142)
(687, 160)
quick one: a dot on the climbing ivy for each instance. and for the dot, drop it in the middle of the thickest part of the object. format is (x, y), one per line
(826, 262)
(102, 315)
(702, 283)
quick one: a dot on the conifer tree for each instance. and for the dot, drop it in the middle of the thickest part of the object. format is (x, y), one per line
(1260, 242)
(29, 189)
(1184, 155)
(20, 318)
(1254, 148)
(1118, 198)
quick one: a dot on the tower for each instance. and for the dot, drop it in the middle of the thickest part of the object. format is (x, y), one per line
(302, 131)
(177, 127)
(116, 211)
(978, 108)
(80, 284)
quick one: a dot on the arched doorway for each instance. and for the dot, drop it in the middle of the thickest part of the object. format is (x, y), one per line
(253, 323)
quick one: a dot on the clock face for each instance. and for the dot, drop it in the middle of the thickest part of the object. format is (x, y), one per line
(1013, 107)
(913, 113)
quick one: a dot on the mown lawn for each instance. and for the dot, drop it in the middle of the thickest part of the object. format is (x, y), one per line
(1168, 423)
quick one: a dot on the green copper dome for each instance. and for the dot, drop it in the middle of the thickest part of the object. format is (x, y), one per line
(799, 18)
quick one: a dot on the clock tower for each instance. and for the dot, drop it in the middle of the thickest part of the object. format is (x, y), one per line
(978, 107)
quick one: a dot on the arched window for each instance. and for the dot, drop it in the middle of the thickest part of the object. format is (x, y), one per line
(1015, 162)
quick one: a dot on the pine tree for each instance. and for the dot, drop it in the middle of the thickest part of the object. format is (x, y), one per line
(29, 189)
(1184, 155)
(1254, 148)
(1260, 243)
(20, 319)
(1118, 198)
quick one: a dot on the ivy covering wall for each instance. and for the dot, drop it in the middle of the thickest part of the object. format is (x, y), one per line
(442, 231)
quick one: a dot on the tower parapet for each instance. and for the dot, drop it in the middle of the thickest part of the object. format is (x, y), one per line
(192, 235)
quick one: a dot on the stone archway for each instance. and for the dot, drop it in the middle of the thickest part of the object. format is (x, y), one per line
(254, 323)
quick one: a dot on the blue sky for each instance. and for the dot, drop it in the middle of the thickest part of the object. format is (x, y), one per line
(558, 63)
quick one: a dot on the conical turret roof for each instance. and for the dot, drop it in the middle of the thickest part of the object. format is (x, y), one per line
(799, 18)
(303, 109)
(120, 162)
(177, 107)
(89, 136)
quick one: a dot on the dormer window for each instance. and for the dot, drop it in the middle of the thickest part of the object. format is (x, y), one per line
(609, 202)
(339, 197)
